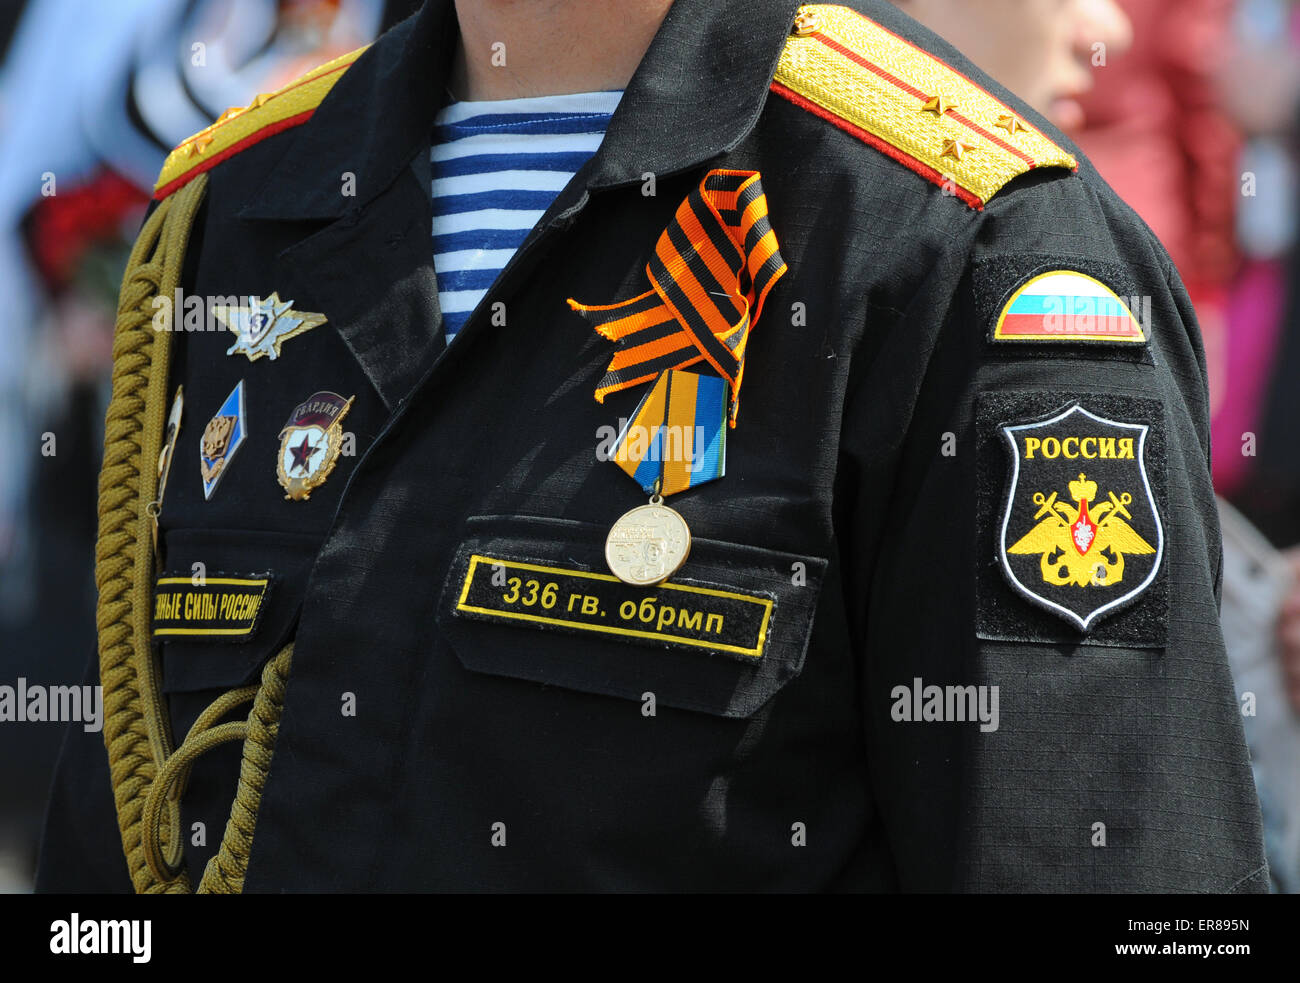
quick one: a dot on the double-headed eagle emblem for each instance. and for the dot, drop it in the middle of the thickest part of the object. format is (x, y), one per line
(1089, 555)
(1083, 544)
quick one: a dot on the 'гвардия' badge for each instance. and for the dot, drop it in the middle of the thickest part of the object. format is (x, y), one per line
(310, 443)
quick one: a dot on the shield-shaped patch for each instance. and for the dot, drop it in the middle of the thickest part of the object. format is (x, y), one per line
(1081, 535)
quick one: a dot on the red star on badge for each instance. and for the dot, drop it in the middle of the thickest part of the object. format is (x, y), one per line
(302, 454)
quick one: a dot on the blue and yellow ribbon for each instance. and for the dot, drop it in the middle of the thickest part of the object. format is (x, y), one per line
(676, 439)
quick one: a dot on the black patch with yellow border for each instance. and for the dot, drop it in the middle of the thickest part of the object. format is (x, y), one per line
(997, 279)
(742, 663)
(532, 594)
(221, 607)
(1052, 568)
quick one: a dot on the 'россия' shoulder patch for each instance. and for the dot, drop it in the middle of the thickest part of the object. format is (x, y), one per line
(1072, 497)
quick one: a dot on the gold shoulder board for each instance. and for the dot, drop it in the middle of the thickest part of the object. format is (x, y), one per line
(908, 104)
(239, 128)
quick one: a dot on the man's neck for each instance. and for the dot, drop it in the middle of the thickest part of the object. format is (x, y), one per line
(512, 49)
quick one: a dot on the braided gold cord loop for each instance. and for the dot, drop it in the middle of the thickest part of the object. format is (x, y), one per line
(225, 871)
(148, 778)
(135, 725)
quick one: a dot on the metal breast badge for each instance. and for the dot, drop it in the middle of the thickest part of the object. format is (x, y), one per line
(310, 444)
(262, 326)
(165, 458)
(221, 438)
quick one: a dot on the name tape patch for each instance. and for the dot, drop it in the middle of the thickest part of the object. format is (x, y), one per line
(678, 615)
(222, 608)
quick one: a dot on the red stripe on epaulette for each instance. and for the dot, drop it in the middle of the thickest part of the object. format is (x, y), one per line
(279, 126)
(914, 91)
(867, 137)
(267, 131)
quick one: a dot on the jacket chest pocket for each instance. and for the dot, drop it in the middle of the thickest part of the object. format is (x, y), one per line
(226, 601)
(530, 598)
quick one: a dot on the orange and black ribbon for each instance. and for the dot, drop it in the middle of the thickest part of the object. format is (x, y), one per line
(710, 272)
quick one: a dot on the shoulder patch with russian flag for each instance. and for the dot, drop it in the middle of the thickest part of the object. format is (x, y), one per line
(1065, 305)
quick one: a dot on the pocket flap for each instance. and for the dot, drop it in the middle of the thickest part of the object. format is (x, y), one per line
(531, 598)
(226, 601)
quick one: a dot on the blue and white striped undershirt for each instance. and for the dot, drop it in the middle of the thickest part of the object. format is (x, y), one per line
(497, 166)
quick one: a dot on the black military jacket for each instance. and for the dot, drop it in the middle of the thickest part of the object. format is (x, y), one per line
(422, 749)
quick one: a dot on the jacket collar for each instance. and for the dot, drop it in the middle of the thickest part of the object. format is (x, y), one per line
(696, 94)
(698, 91)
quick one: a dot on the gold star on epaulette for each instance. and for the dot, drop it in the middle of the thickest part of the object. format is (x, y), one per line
(939, 105)
(955, 149)
(1011, 123)
(239, 128)
(861, 75)
(805, 23)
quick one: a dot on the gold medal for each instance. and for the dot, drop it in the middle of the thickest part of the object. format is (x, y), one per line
(676, 440)
(648, 545)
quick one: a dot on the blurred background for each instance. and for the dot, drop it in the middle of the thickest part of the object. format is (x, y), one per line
(93, 95)
(1189, 108)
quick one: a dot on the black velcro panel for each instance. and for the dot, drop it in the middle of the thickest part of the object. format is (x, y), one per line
(1014, 597)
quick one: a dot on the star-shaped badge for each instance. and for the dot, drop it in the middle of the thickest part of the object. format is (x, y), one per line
(956, 149)
(262, 326)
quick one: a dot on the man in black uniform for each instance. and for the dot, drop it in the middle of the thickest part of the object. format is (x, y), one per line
(945, 620)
